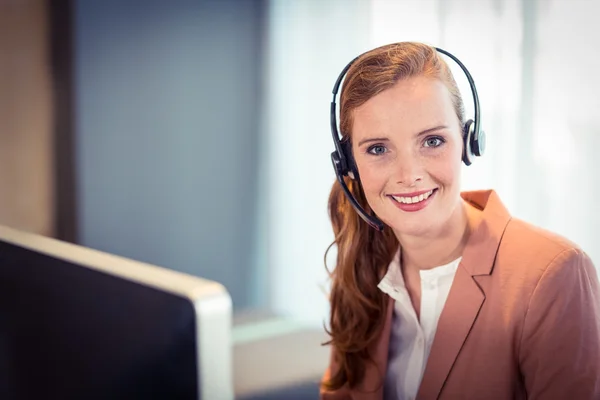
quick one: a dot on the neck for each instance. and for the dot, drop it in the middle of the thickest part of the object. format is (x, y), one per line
(442, 246)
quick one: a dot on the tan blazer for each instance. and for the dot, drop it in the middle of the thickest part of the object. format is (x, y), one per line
(522, 320)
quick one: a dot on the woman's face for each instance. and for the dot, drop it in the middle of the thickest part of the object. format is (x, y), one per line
(407, 143)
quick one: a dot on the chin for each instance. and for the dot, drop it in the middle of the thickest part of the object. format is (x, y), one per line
(412, 228)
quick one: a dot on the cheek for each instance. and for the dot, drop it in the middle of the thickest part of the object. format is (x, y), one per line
(372, 181)
(447, 171)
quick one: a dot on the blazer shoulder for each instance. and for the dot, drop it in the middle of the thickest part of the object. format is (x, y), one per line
(530, 256)
(534, 244)
(526, 251)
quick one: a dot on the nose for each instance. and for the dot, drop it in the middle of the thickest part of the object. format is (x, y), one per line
(407, 170)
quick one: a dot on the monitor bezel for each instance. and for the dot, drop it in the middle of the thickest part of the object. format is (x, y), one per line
(211, 301)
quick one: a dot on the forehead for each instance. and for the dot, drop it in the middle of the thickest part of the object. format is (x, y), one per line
(410, 106)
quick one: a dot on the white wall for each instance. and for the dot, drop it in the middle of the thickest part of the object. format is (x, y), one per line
(537, 99)
(310, 43)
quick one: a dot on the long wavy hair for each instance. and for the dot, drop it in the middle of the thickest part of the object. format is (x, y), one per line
(363, 254)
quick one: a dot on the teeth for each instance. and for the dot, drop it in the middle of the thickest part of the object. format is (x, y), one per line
(414, 199)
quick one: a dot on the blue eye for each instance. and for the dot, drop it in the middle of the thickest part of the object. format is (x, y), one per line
(434, 141)
(376, 149)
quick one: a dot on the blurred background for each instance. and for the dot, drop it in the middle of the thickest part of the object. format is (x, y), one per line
(195, 135)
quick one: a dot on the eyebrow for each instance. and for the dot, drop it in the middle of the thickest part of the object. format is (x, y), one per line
(425, 132)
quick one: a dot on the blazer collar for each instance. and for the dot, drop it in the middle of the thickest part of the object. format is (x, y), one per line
(466, 297)
(480, 251)
(461, 309)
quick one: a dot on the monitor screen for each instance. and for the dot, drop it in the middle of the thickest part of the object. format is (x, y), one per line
(81, 324)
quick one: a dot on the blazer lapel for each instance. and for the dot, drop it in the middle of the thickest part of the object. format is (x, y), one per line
(459, 314)
(371, 387)
(465, 298)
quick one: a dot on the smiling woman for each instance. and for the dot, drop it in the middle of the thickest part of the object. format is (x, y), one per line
(410, 157)
(415, 305)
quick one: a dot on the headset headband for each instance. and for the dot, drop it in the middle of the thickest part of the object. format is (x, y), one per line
(473, 138)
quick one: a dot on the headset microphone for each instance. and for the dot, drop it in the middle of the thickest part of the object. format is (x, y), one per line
(343, 161)
(373, 221)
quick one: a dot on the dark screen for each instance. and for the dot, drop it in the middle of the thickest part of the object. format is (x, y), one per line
(68, 332)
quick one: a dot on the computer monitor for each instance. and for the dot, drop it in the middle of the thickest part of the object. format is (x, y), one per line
(76, 323)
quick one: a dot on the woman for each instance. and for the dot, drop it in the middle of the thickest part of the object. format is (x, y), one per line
(454, 298)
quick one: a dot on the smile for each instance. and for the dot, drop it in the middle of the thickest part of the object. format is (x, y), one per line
(411, 202)
(414, 198)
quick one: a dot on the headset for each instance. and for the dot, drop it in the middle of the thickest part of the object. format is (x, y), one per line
(343, 160)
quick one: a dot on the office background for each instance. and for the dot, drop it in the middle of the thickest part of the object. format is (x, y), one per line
(194, 134)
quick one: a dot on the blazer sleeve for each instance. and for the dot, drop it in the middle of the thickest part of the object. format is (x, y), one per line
(340, 394)
(560, 344)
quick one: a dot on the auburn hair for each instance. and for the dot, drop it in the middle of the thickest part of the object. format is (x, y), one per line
(363, 254)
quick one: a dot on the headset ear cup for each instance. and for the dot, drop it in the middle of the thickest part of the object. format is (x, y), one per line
(478, 143)
(351, 171)
(467, 156)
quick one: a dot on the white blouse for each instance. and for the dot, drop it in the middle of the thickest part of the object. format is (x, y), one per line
(411, 339)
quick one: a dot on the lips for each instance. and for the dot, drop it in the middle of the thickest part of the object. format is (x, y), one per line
(405, 201)
(411, 198)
